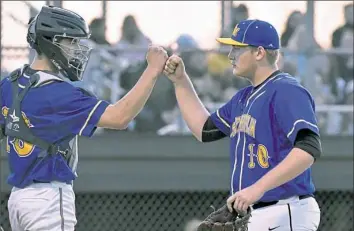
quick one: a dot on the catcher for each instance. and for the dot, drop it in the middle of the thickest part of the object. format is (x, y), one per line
(43, 113)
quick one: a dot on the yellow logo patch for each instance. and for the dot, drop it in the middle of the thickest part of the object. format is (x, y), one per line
(5, 112)
(236, 30)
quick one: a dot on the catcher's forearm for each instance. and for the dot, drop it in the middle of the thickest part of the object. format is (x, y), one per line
(192, 109)
(293, 165)
(133, 102)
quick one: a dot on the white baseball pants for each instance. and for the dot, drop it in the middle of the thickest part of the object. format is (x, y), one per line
(287, 215)
(42, 207)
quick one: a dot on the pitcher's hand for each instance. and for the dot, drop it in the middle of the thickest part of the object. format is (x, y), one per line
(174, 69)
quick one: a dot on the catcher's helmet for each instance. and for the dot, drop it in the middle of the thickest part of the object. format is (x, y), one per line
(56, 33)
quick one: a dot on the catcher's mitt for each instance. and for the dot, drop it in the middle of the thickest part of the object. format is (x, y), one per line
(223, 220)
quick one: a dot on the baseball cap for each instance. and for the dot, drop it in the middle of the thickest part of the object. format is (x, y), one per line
(253, 33)
(185, 42)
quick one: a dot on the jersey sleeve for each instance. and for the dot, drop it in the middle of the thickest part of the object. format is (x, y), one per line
(78, 113)
(295, 110)
(222, 118)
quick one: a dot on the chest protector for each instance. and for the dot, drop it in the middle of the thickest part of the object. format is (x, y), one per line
(15, 125)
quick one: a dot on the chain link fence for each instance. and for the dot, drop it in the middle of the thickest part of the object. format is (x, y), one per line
(174, 211)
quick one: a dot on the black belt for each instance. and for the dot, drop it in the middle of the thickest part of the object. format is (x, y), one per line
(41, 181)
(46, 182)
(265, 204)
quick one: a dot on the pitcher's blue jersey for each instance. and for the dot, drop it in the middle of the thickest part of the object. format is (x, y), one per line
(54, 112)
(262, 123)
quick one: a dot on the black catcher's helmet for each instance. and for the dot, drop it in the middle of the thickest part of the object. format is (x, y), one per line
(57, 33)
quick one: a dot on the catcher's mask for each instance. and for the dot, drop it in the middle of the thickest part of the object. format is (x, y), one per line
(58, 34)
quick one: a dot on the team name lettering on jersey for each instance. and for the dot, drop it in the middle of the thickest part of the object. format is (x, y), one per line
(245, 123)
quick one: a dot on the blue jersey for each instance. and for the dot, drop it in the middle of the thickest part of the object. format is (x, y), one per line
(262, 123)
(54, 112)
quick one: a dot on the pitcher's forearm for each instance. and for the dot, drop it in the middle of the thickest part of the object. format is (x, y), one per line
(192, 109)
(292, 166)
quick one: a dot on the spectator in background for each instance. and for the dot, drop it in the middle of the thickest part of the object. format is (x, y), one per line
(342, 38)
(97, 28)
(196, 64)
(161, 101)
(285, 66)
(300, 46)
(218, 62)
(290, 62)
(133, 44)
(101, 73)
(239, 14)
(347, 121)
(345, 61)
(299, 40)
(348, 26)
(327, 83)
(328, 89)
(207, 87)
(294, 20)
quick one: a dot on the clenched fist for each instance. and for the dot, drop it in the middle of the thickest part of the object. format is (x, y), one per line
(156, 58)
(174, 69)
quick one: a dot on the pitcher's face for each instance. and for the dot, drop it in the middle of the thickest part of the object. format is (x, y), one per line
(242, 61)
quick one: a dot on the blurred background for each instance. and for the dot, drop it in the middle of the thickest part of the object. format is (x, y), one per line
(155, 176)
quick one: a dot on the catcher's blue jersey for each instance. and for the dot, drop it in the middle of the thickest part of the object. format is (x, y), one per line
(54, 112)
(262, 123)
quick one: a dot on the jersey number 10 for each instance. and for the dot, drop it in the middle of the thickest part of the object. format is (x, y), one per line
(21, 147)
(261, 154)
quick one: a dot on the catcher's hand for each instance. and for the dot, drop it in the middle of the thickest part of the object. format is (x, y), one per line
(223, 220)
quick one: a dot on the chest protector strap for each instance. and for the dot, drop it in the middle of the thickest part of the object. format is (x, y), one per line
(16, 125)
(2, 126)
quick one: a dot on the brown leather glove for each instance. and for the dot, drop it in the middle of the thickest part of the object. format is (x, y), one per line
(223, 220)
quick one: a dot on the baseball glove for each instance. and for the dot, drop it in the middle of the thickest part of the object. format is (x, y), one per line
(223, 220)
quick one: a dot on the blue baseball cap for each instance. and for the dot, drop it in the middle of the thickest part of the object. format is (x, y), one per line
(253, 33)
(186, 41)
